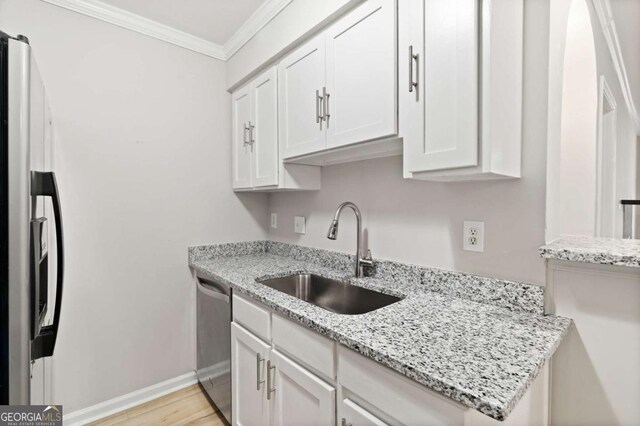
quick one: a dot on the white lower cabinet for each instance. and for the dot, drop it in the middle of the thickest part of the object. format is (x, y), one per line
(268, 387)
(299, 397)
(249, 356)
(319, 382)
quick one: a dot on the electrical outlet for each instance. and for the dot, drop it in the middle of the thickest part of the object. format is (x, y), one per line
(274, 220)
(299, 225)
(473, 234)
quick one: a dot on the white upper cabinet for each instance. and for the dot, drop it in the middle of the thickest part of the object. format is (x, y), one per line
(340, 88)
(255, 132)
(242, 154)
(256, 160)
(460, 80)
(264, 113)
(361, 100)
(443, 67)
(302, 78)
(438, 81)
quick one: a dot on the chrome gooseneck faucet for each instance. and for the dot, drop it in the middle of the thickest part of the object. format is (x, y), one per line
(332, 234)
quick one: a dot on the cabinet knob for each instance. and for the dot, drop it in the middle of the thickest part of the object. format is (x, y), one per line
(344, 422)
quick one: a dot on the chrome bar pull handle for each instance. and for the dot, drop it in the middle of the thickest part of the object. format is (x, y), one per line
(318, 102)
(325, 104)
(269, 388)
(252, 139)
(245, 142)
(259, 361)
(412, 57)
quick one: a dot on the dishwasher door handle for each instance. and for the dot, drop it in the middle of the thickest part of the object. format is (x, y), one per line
(212, 291)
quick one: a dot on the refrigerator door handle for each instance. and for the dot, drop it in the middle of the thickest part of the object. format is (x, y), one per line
(44, 184)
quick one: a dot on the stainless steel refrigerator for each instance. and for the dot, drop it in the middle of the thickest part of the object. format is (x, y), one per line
(31, 240)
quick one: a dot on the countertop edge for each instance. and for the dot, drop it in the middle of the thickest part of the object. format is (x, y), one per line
(599, 251)
(498, 412)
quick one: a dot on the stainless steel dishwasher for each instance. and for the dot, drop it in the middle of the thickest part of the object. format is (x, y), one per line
(214, 342)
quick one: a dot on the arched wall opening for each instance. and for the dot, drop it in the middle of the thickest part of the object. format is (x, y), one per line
(578, 126)
(573, 107)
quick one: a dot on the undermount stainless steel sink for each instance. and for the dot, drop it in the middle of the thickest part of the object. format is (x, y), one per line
(332, 295)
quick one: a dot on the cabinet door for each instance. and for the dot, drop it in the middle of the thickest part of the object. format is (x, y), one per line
(350, 413)
(361, 75)
(439, 112)
(300, 398)
(300, 76)
(241, 153)
(248, 385)
(264, 134)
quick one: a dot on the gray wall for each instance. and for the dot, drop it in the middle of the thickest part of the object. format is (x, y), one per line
(421, 222)
(142, 131)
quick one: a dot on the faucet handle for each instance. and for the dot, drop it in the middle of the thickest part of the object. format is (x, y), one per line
(367, 260)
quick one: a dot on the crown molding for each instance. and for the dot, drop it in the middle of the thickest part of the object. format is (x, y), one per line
(261, 17)
(131, 21)
(608, 26)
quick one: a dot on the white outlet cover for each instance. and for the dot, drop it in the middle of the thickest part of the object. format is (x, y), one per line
(274, 220)
(473, 236)
(300, 225)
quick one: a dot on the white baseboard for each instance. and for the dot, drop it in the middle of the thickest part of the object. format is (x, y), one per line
(124, 402)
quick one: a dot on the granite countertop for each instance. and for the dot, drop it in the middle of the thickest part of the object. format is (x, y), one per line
(479, 354)
(604, 251)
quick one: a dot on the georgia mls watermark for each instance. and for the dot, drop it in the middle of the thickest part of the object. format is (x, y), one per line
(30, 415)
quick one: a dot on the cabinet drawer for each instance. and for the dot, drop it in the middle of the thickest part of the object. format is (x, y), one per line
(306, 346)
(396, 396)
(252, 317)
(355, 415)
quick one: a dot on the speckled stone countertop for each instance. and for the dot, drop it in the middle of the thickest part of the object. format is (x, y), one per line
(482, 355)
(604, 251)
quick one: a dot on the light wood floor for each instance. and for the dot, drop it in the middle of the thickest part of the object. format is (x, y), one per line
(188, 406)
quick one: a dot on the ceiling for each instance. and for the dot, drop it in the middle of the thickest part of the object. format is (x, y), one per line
(213, 20)
(626, 15)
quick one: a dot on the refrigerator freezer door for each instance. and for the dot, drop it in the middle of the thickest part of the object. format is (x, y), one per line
(19, 214)
(38, 155)
(45, 208)
(26, 149)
